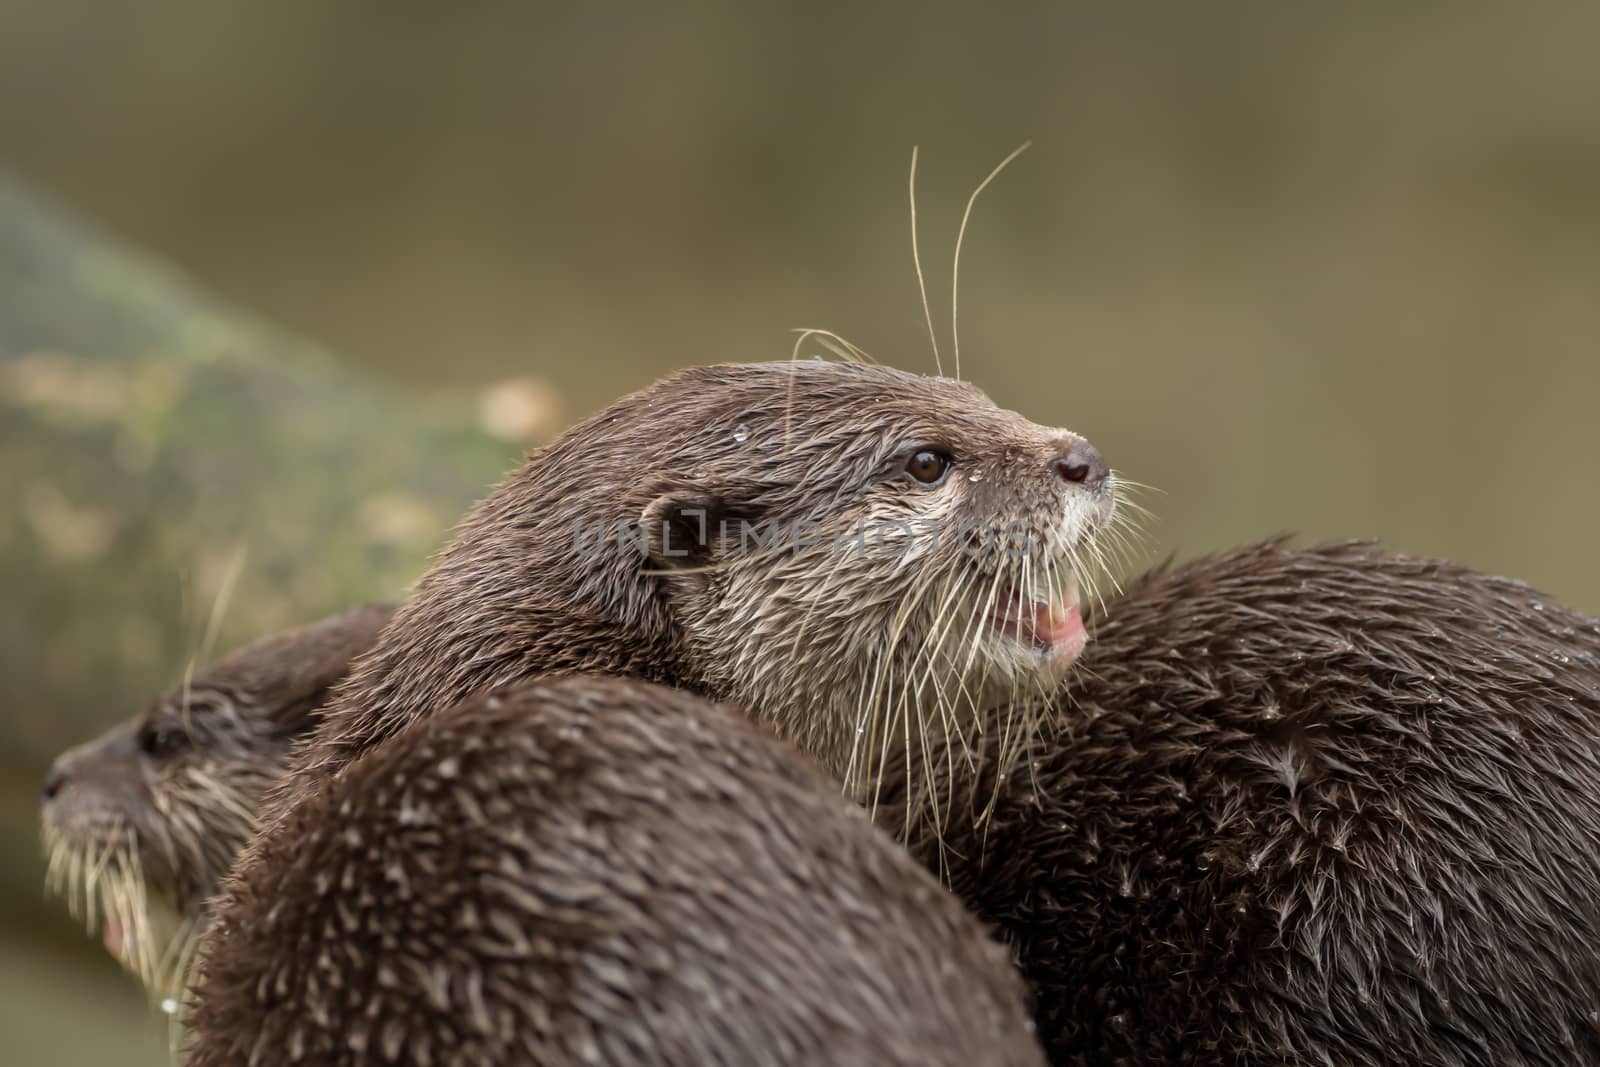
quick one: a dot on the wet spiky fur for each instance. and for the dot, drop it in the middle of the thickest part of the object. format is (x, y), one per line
(1320, 806)
(845, 652)
(142, 823)
(594, 871)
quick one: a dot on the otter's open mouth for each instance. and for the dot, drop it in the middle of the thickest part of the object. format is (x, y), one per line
(1050, 627)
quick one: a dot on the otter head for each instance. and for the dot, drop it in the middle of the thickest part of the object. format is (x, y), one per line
(855, 554)
(141, 823)
(866, 557)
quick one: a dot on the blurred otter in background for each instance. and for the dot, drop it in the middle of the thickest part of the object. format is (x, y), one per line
(141, 823)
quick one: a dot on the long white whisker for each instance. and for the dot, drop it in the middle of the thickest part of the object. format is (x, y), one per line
(916, 259)
(955, 270)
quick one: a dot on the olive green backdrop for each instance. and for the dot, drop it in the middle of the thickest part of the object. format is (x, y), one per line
(1329, 269)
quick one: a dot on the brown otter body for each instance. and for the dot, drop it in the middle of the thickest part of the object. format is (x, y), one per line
(595, 871)
(1306, 806)
(641, 542)
(142, 822)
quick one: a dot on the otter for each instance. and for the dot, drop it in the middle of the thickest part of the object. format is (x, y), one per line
(141, 824)
(600, 871)
(819, 543)
(1328, 805)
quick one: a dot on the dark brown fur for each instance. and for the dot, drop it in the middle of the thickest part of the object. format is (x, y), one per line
(595, 871)
(1306, 806)
(143, 821)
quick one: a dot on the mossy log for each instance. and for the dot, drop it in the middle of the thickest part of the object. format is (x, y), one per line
(181, 477)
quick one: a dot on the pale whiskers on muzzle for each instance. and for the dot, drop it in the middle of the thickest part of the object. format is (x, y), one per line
(981, 644)
(142, 888)
(105, 885)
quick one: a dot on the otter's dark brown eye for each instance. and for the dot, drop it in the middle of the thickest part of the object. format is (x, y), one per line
(162, 743)
(928, 466)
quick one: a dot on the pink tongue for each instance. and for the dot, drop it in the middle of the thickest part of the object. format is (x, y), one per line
(1052, 630)
(111, 934)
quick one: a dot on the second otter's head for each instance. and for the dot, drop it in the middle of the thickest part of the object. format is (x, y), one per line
(142, 822)
(856, 554)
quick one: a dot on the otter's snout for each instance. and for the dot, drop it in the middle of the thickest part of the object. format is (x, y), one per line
(1081, 464)
(100, 774)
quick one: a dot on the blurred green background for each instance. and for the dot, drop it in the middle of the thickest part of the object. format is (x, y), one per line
(1328, 269)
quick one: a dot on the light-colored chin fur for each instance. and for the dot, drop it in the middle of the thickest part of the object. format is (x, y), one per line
(128, 893)
(847, 653)
(159, 948)
(140, 922)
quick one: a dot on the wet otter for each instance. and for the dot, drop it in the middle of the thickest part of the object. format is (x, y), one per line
(1305, 806)
(142, 822)
(600, 871)
(816, 542)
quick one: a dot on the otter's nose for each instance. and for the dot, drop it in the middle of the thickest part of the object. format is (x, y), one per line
(1081, 465)
(53, 783)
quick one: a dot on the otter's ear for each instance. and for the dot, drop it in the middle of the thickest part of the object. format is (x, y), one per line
(684, 528)
(680, 528)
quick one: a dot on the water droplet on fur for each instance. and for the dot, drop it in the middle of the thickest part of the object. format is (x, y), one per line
(741, 433)
(1536, 605)
(975, 477)
(170, 1006)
